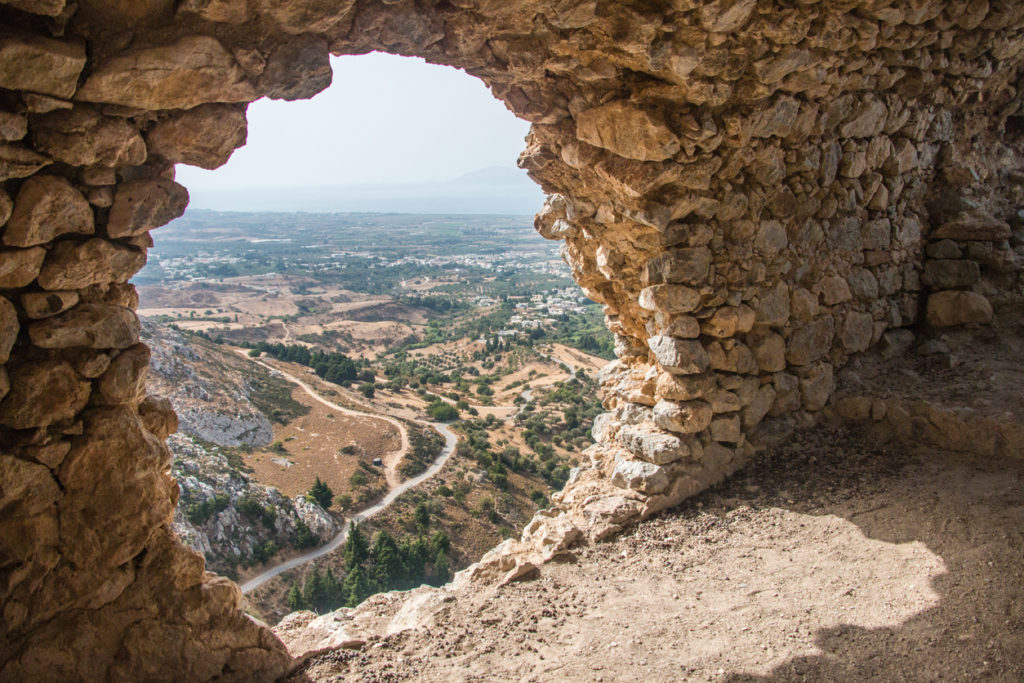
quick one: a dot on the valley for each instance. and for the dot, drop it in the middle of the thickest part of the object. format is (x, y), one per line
(322, 373)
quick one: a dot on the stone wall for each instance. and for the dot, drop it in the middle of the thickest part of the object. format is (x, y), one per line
(755, 189)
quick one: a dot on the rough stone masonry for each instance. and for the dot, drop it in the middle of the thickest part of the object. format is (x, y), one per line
(754, 189)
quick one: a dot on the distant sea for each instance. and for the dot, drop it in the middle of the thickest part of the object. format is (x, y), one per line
(487, 191)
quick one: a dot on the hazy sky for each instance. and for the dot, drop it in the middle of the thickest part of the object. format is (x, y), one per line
(384, 119)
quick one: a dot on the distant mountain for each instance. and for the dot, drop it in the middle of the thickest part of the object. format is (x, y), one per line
(493, 190)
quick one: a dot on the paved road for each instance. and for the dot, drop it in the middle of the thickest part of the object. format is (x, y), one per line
(449, 447)
(450, 441)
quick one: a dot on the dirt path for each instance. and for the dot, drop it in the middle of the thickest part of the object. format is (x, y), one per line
(391, 460)
(831, 558)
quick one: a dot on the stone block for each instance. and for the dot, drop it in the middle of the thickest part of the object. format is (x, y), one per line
(19, 267)
(9, 328)
(731, 356)
(951, 274)
(811, 342)
(856, 332)
(142, 205)
(759, 407)
(679, 356)
(726, 429)
(84, 137)
(40, 305)
(669, 298)
(769, 351)
(728, 321)
(645, 477)
(971, 227)
(683, 387)
(628, 131)
(18, 161)
(950, 308)
(96, 326)
(42, 393)
(687, 417)
(193, 70)
(46, 208)
(125, 378)
(834, 290)
(40, 65)
(816, 386)
(943, 249)
(653, 445)
(70, 265)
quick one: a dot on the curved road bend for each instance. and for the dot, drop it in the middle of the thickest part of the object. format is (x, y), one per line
(449, 447)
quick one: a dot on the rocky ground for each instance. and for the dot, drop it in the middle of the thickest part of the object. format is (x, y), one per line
(828, 558)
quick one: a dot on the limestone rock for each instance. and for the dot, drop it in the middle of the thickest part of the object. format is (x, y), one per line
(19, 267)
(38, 305)
(75, 266)
(158, 415)
(297, 69)
(42, 393)
(857, 331)
(306, 16)
(50, 8)
(653, 445)
(679, 356)
(191, 71)
(17, 161)
(811, 342)
(125, 379)
(84, 137)
(950, 274)
(669, 298)
(769, 351)
(726, 16)
(970, 227)
(683, 418)
(13, 127)
(628, 131)
(6, 207)
(205, 136)
(946, 309)
(759, 407)
(47, 207)
(644, 477)
(40, 65)
(726, 429)
(816, 386)
(223, 11)
(9, 328)
(142, 205)
(96, 326)
(684, 387)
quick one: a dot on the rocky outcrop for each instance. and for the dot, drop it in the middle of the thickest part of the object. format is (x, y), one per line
(755, 192)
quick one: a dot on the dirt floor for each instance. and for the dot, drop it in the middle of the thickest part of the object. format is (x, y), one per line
(831, 558)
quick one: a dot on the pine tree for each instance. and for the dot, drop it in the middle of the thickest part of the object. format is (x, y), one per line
(295, 601)
(321, 493)
(356, 550)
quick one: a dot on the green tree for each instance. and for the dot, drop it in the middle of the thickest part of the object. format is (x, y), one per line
(356, 550)
(321, 494)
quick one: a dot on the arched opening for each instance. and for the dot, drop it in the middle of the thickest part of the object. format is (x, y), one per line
(742, 185)
(356, 288)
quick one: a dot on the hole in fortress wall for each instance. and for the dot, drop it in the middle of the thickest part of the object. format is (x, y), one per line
(391, 134)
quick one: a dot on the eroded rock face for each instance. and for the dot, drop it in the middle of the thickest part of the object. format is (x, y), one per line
(754, 191)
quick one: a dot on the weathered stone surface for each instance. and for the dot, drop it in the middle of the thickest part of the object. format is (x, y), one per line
(724, 16)
(946, 309)
(950, 274)
(817, 386)
(142, 205)
(626, 130)
(17, 161)
(125, 379)
(47, 207)
(19, 267)
(13, 127)
(50, 8)
(811, 342)
(856, 332)
(683, 418)
(669, 298)
(684, 387)
(644, 477)
(653, 445)
(84, 137)
(679, 356)
(158, 415)
(205, 136)
(41, 65)
(681, 266)
(769, 351)
(38, 305)
(307, 16)
(191, 71)
(297, 69)
(97, 326)
(9, 328)
(6, 207)
(42, 393)
(223, 11)
(75, 266)
(969, 227)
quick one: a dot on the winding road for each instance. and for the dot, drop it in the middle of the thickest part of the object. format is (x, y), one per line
(395, 486)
